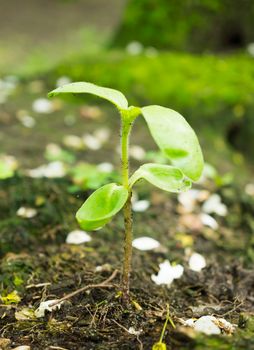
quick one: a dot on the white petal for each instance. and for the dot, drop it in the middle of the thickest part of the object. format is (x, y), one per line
(27, 213)
(134, 48)
(92, 142)
(62, 81)
(52, 170)
(188, 199)
(145, 243)
(46, 305)
(78, 237)
(249, 189)
(133, 331)
(205, 324)
(102, 135)
(140, 206)
(137, 152)
(209, 221)
(177, 271)
(250, 49)
(105, 167)
(42, 105)
(73, 141)
(214, 205)
(167, 273)
(190, 322)
(197, 262)
(27, 121)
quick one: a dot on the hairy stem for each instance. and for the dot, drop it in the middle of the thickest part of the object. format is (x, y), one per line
(125, 132)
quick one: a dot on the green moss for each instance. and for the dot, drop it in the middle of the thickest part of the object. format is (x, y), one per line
(219, 89)
(194, 25)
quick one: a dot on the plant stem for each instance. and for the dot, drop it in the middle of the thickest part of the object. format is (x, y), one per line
(125, 132)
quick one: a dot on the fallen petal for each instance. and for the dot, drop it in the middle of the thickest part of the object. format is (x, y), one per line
(78, 237)
(27, 213)
(145, 243)
(137, 152)
(47, 306)
(167, 273)
(209, 221)
(140, 206)
(214, 205)
(42, 105)
(92, 142)
(206, 324)
(197, 262)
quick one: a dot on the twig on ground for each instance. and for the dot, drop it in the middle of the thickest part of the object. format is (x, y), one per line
(104, 284)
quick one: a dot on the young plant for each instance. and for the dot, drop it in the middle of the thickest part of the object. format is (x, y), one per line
(175, 138)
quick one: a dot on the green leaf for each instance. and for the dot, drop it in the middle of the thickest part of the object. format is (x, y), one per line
(56, 153)
(176, 139)
(7, 169)
(166, 177)
(89, 176)
(114, 96)
(101, 206)
(11, 298)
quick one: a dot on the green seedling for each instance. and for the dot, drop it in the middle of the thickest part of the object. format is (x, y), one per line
(161, 345)
(175, 138)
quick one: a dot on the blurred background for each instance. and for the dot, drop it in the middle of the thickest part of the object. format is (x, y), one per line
(194, 56)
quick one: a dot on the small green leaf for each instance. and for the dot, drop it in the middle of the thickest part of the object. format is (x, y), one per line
(11, 298)
(89, 176)
(114, 96)
(7, 168)
(101, 206)
(176, 139)
(166, 177)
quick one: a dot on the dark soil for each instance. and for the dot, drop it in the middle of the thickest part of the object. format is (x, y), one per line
(34, 252)
(36, 261)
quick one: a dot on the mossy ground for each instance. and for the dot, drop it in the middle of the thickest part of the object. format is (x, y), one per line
(36, 261)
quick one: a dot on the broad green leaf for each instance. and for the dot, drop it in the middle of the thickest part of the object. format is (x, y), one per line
(101, 206)
(114, 96)
(166, 177)
(176, 139)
